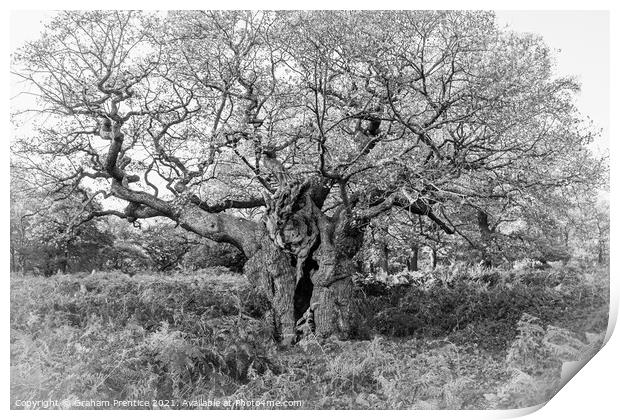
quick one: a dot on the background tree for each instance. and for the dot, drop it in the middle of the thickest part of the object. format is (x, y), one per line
(43, 238)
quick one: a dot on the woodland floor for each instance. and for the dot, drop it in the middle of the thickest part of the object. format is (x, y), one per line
(456, 337)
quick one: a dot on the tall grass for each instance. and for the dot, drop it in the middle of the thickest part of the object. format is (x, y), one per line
(456, 337)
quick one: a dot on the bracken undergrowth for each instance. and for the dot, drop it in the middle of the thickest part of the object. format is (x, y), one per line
(454, 338)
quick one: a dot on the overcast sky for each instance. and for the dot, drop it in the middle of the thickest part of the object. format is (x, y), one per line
(581, 39)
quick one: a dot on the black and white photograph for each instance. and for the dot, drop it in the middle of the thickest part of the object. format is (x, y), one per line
(306, 209)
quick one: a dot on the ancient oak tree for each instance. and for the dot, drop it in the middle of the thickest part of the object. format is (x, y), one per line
(287, 133)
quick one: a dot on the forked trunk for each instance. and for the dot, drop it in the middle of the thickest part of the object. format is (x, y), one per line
(324, 286)
(306, 262)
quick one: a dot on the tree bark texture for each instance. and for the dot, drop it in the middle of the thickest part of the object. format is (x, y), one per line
(320, 250)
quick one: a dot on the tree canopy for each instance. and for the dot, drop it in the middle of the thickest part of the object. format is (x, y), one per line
(437, 105)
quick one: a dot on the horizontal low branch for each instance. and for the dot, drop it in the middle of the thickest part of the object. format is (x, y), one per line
(219, 227)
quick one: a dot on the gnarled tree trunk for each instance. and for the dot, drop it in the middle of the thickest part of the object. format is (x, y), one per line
(320, 251)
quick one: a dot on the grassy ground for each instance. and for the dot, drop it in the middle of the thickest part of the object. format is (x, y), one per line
(460, 338)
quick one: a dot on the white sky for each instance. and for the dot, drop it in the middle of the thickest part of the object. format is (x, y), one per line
(581, 39)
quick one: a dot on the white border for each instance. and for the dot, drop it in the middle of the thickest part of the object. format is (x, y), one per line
(592, 393)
